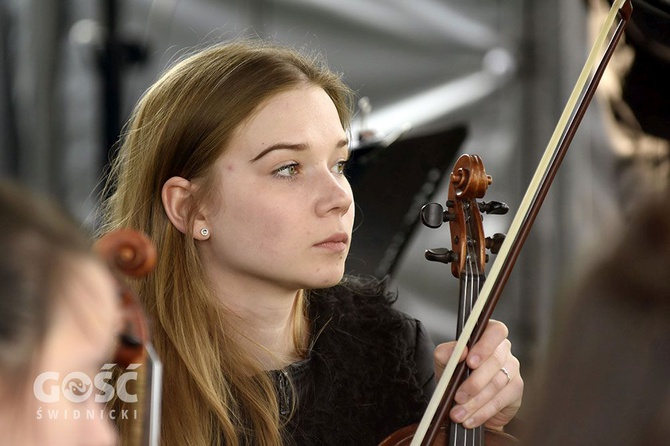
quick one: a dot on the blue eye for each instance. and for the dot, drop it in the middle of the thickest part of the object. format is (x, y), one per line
(287, 171)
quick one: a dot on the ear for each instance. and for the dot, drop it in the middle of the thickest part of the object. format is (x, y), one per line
(178, 201)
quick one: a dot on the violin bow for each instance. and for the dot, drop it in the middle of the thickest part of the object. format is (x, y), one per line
(501, 268)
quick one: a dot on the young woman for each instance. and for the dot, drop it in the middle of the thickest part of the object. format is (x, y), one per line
(59, 315)
(233, 162)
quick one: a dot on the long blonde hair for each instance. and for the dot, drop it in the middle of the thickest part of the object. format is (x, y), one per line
(213, 392)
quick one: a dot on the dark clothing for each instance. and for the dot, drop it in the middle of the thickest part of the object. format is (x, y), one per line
(369, 371)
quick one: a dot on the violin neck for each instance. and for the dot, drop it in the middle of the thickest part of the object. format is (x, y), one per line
(460, 436)
(470, 284)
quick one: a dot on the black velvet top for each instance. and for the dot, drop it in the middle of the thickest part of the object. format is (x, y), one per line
(369, 371)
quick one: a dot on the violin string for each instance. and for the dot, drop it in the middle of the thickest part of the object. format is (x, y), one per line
(470, 437)
(473, 250)
(458, 434)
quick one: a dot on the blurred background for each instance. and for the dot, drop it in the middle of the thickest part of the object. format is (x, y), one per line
(440, 78)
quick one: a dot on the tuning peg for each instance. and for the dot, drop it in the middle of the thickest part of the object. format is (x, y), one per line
(494, 242)
(443, 255)
(433, 215)
(494, 207)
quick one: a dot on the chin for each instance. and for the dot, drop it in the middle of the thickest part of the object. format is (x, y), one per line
(326, 280)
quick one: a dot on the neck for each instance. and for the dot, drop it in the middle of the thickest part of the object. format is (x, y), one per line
(267, 333)
(264, 320)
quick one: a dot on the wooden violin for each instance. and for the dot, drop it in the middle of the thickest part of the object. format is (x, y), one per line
(468, 182)
(467, 256)
(131, 254)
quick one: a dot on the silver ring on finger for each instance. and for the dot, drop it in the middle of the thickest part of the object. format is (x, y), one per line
(504, 370)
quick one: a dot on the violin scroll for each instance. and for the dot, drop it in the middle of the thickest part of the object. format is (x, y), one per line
(469, 179)
(468, 182)
(127, 251)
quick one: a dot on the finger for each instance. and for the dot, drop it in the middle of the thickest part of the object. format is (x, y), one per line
(495, 333)
(442, 354)
(489, 372)
(493, 406)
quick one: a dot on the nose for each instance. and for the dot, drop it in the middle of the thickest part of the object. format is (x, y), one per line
(334, 194)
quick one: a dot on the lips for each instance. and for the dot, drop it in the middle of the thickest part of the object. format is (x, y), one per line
(336, 242)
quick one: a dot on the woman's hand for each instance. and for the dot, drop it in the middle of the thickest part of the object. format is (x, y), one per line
(489, 395)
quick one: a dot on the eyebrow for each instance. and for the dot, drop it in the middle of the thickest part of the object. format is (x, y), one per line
(296, 147)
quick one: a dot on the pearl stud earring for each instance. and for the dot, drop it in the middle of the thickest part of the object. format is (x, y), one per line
(204, 232)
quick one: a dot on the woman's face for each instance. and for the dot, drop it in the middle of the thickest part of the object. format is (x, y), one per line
(283, 211)
(79, 341)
